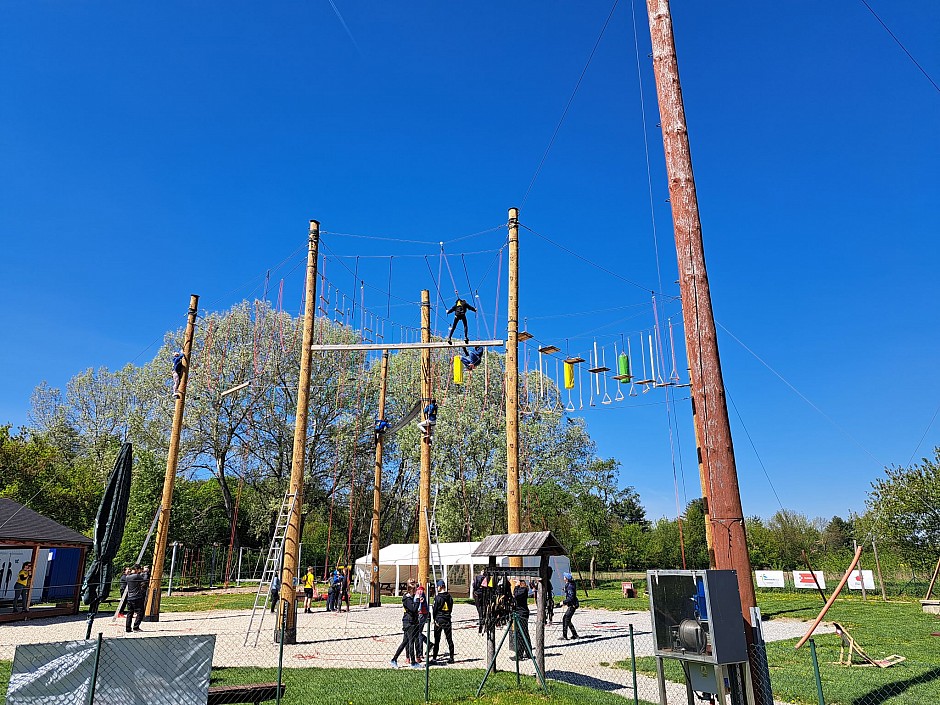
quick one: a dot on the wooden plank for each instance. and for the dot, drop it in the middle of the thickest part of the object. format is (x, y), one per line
(574, 360)
(598, 370)
(549, 349)
(412, 346)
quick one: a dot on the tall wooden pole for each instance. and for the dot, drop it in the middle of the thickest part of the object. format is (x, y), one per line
(711, 411)
(513, 524)
(703, 477)
(424, 490)
(292, 536)
(375, 599)
(152, 609)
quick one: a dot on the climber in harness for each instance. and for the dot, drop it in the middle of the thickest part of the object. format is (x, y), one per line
(430, 419)
(472, 359)
(381, 426)
(459, 309)
(179, 361)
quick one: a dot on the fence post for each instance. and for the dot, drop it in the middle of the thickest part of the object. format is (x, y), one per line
(280, 653)
(636, 696)
(94, 672)
(819, 690)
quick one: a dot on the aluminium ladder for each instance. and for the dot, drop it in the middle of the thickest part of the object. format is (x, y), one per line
(272, 566)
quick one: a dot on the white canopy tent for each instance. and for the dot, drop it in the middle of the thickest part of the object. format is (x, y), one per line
(399, 561)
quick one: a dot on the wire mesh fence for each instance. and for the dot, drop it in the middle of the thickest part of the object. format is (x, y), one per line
(347, 657)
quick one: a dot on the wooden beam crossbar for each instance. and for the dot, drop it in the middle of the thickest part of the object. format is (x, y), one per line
(410, 346)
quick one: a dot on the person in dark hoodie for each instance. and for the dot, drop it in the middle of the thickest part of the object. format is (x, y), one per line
(178, 363)
(137, 583)
(572, 603)
(443, 612)
(459, 309)
(520, 595)
(409, 626)
(472, 359)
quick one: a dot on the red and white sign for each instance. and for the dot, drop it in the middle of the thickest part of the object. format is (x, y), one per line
(769, 578)
(857, 577)
(804, 579)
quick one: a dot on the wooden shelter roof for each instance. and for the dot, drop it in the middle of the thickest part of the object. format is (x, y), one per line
(535, 543)
(22, 524)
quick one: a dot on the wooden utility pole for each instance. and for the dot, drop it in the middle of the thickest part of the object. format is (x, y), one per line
(702, 474)
(291, 552)
(152, 610)
(375, 599)
(711, 411)
(424, 490)
(513, 524)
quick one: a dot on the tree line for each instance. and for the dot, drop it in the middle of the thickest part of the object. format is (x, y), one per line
(236, 451)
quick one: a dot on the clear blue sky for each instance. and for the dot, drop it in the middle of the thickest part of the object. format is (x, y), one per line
(154, 150)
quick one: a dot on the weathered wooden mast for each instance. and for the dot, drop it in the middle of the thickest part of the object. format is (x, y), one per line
(710, 410)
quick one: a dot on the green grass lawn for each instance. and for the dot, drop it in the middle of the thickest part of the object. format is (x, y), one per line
(882, 629)
(363, 686)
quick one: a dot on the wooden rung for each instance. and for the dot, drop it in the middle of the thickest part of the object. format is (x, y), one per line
(524, 336)
(646, 381)
(596, 370)
(549, 349)
(574, 360)
(623, 378)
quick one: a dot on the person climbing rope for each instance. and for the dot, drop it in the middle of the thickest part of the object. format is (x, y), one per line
(178, 365)
(459, 309)
(472, 359)
(430, 419)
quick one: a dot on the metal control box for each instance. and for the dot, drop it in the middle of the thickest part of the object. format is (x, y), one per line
(697, 615)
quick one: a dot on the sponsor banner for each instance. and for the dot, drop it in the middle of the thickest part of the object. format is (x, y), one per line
(860, 577)
(804, 579)
(769, 578)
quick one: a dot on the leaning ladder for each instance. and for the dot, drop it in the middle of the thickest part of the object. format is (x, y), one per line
(434, 540)
(272, 566)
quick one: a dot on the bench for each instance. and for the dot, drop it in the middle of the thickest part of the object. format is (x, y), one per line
(255, 694)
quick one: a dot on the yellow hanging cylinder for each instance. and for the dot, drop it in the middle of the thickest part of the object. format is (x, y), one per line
(569, 375)
(458, 370)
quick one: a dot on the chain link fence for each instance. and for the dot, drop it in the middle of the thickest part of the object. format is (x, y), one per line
(343, 657)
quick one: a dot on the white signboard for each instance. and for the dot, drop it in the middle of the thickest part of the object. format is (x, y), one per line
(770, 578)
(804, 579)
(857, 577)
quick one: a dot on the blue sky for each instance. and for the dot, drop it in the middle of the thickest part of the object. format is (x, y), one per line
(151, 151)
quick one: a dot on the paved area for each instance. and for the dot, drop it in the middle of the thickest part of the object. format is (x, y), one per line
(367, 638)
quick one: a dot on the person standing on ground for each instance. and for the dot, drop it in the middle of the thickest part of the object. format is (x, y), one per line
(421, 602)
(520, 596)
(571, 602)
(307, 582)
(122, 601)
(409, 624)
(137, 583)
(275, 592)
(21, 588)
(478, 598)
(443, 612)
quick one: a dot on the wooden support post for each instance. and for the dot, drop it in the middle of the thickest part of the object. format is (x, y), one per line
(933, 580)
(714, 429)
(513, 523)
(291, 554)
(424, 487)
(375, 599)
(881, 582)
(152, 609)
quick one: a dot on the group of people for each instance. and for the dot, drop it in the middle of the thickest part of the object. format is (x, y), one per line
(134, 582)
(337, 591)
(414, 620)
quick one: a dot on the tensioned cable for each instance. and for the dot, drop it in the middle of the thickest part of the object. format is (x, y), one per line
(564, 113)
(575, 314)
(397, 256)
(926, 430)
(435, 243)
(904, 48)
(802, 396)
(754, 448)
(585, 259)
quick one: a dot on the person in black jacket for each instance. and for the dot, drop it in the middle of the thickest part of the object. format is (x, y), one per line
(478, 597)
(520, 596)
(137, 583)
(443, 611)
(409, 625)
(459, 309)
(571, 601)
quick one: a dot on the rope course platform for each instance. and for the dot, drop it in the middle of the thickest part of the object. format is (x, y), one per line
(412, 346)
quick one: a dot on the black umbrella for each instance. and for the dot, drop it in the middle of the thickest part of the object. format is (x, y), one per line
(109, 530)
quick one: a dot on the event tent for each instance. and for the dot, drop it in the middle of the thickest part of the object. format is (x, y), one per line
(399, 561)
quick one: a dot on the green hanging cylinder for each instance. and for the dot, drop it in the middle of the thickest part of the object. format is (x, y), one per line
(623, 368)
